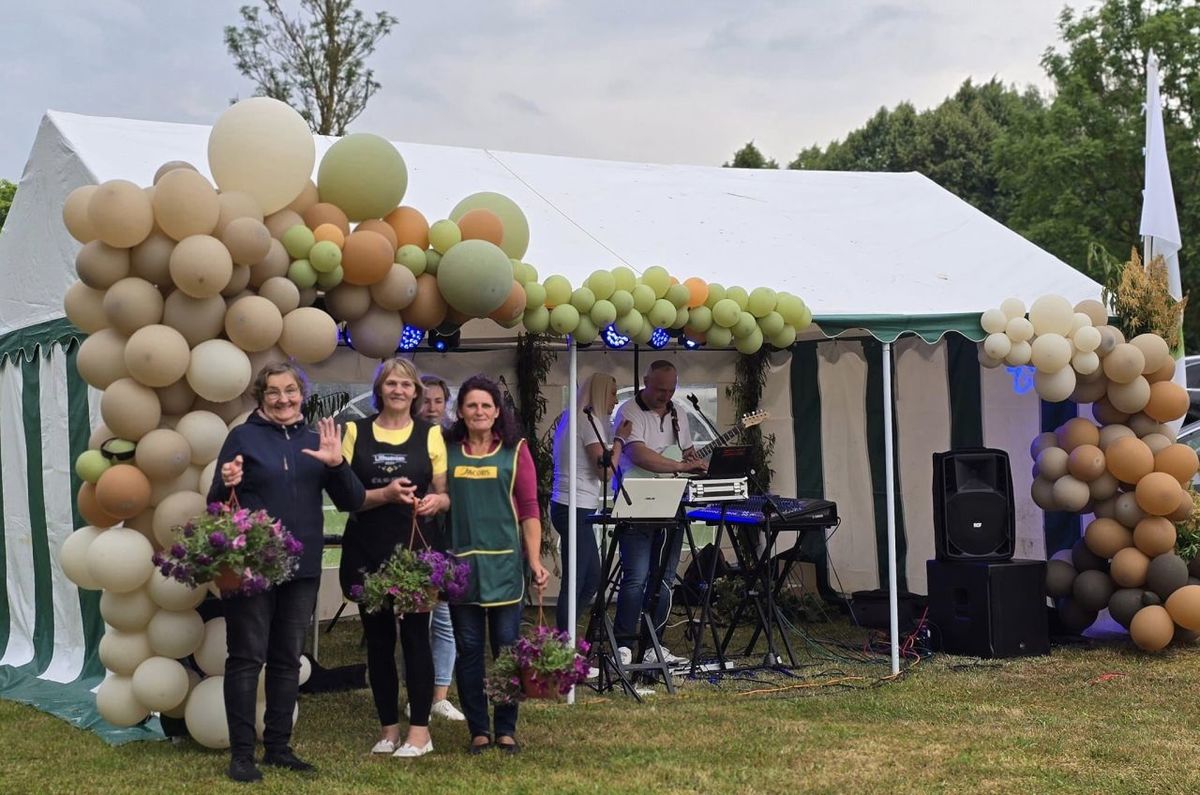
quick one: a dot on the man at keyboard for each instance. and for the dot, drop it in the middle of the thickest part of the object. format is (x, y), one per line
(653, 427)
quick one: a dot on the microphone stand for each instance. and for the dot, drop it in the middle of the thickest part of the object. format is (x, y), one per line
(606, 462)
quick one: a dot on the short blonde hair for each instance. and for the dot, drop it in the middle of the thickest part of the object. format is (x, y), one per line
(386, 368)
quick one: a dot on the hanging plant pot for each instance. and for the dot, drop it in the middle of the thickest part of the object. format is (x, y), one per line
(534, 686)
(227, 580)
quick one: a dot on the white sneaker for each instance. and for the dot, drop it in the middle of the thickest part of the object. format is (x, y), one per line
(668, 658)
(624, 655)
(593, 672)
(444, 709)
(407, 751)
(384, 746)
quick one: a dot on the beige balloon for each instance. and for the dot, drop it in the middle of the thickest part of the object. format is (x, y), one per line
(84, 307)
(399, 288)
(348, 301)
(177, 398)
(262, 147)
(213, 650)
(274, 265)
(175, 511)
(1154, 349)
(218, 371)
(1051, 353)
(170, 594)
(175, 633)
(280, 222)
(248, 241)
(197, 319)
(151, 259)
(132, 303)
(1071, 494)
(120, 559)
(117, 704)
(129, 612)
(130, 410)
(75, 214)
(120, 213)
(122, 652)
(1055, 387)
(100, 266)
(157, 356)
(73, 557)
(307, 198)
(1042, 492)
(161, 489)
(101, 358)
(163, 454)
(237, 287)
(160, 683)
(1019, 354)
(1131, 397)
(168, 167)
(1051, 314)
(1124, 364)
(205, 433)
(229, 409)
(236, 204)
(144, 522)
(185, 204)
(205, 713)
(282, 292)
(996, 346)
(201, 266)
(993, 321)
(1095, 311)
(253, 323)
(309, 335)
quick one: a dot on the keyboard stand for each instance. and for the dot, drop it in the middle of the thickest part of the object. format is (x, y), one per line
(706, 615)
(760, 593)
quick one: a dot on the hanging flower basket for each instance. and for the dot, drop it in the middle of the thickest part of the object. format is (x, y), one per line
(541, 664)
(412, 582)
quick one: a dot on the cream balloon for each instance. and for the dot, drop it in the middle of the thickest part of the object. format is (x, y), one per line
(309, 335)
(253, 323)
(120, 559)
(197, 319)
(122, 652)
(282, 292)
(85, 308)
(1051, 352)
(1013, 308)
(174, 511)
(218, 370)
(101, 358)
(163, 454)
(128, 612)
(160, 683)
(993, 321)
(185, 204)
(1055, 387)
(73, 557)
(997, 346)
(205, 713)
(157, 356)
(120, 213)
(262, 147)
(1019, 329)
(213, 651)
(1086, 339)
(118, 704)
(201, 266)
(175, 633)
(75, 214)
(1052, 314)
(1019, 354)
(170, 594)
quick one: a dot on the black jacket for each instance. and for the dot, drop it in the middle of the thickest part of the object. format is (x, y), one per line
(286, 483)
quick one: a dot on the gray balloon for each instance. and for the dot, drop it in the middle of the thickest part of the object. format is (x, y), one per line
(1124, 604)
(1060, 576)
(1092, 590)
(1085, 559)
(1074, 618)
(1167, 573)
(1150, 598)
(1194, 567)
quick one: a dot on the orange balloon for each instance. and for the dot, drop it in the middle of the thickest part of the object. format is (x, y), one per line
(697, 291)
(1168, 401)
(330, 232)
(1129, 567)
(366, 258)
(1129, 459)
(1158, 493)
(512, 307)
(326, 213)
(428, 309)
(1152, 628)
(1154, 535)
(1184, 607)
(481, 224)
(1086, 462)
(382, 227)
(410, 226)
(1187, 506)
(123, 491)
(1177, 460)
(90, 509)
(1106, 537)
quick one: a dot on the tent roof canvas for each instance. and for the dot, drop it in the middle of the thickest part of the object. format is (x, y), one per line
(885, 252)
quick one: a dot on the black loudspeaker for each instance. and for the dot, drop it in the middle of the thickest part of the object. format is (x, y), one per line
(983, 609)
(973, 513)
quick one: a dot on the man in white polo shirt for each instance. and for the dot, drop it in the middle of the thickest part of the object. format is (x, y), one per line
(650, 423)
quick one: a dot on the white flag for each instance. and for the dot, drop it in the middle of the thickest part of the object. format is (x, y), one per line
(1160, 224)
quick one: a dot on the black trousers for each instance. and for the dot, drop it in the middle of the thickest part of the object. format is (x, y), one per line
(269, 629)
(380, 629)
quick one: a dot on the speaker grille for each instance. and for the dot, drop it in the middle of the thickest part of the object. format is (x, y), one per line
(977, 524)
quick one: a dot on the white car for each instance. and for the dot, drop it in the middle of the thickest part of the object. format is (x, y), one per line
(1191, 370)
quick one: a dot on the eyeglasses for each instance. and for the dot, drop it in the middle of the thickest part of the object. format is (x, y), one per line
(275, 394)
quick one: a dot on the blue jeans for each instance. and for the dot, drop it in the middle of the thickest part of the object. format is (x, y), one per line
(443, 645)
(502, 625)
(586, 569)
(267, 628)
(641, 550)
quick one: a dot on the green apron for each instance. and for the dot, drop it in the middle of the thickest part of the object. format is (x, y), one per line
(484, 530)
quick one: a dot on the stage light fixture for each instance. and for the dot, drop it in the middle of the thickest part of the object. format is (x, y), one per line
(687, 342)
(441, 340)
(659, 339)
(613, 338)
(410, 338)
(343, 336)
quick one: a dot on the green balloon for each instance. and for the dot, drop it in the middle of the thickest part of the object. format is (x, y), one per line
(761, 301)
(433, 258)
(681, 318)
(586, 332)
(657, 278)
(678, 295)
(771, 324)
(739, 296)
(750, 343)
(715, 293)
(531, 273)
(298, 241)
(630, 323)
(805, 319)
(745, 326)
(537, 319)
(643, 298)
(661, 314)
(784, 338)
(558, 290)
(535, 295)
(413, 258)
(302, 273)
(515, 241)
(624, 278)
(475, 277)
(583, 299)
(325, 256)
(520, 272)
(443, 235)
(622, 300)
(90, 465)
(719, 337)
(602, 284)
(700, 319)
(564, 318)
(327, 281)
(726, 312)
(789, 306)
(603, 312)
(364, 175)
(643, 335)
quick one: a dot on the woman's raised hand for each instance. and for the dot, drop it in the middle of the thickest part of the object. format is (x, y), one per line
(231, 472)
(330, 451)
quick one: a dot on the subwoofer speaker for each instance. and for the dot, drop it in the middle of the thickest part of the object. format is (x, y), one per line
(973, 513)
(984, 609)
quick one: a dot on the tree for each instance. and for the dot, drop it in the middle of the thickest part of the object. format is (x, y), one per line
(750, 157)
(315, 62)
(7, 191)
(1075, 172)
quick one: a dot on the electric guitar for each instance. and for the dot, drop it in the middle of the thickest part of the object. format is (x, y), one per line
(675, 453)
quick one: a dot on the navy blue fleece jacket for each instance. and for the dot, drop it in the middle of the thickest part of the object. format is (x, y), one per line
(286, 483)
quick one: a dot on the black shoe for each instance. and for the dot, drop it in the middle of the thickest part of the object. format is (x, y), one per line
(476, 750)
(511, 749)
(287, 760)
(243, 769)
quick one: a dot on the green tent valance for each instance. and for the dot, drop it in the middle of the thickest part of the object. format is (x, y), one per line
(24, 343)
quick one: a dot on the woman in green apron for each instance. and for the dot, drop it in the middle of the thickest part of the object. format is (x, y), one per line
(496, 527)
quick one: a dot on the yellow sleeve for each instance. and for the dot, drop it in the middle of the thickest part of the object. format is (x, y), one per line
(349, 436)
(437, 450)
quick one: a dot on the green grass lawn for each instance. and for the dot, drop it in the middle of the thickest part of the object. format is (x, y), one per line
(1086, 719)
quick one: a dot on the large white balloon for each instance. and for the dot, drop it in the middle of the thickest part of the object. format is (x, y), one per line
(122, 652)
(213, 651)
(218, 371)
(129, 612)
(160, 683)
(120, 559)
(175, 633)
(73, 557)
(118, 704)
(264, 148)
(170, 594)
(205, 713)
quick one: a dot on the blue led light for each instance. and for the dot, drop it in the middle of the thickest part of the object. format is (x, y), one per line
(614, 338)
(410, 338)
(660, 338)
(343, 336)
(688, 343)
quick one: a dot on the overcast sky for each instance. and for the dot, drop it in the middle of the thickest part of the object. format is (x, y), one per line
(652, 80)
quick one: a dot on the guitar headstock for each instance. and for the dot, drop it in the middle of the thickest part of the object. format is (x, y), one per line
(750, 419)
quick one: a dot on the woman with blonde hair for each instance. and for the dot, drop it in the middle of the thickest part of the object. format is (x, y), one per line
(401, 460)
(595, 400)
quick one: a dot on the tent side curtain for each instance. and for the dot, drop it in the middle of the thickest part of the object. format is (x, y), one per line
(888, 328)
(23, 344)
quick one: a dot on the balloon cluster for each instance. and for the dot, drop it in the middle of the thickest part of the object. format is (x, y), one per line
(1125, 467)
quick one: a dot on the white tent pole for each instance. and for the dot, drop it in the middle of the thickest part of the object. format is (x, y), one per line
(572, 534)
(889, 465)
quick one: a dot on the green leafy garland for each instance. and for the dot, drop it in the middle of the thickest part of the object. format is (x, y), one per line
(750, 378)
(534, 360)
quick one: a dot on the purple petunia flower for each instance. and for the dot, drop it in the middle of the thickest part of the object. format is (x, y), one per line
(178, 551)
(215, 508)
(217, 540)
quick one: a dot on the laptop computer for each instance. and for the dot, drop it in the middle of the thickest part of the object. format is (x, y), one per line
(732, 461)
(649, 498)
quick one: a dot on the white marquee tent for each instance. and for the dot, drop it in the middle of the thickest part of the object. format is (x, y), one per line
(879, 258)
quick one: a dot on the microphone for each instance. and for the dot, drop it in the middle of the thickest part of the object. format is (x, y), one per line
(587, 410)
